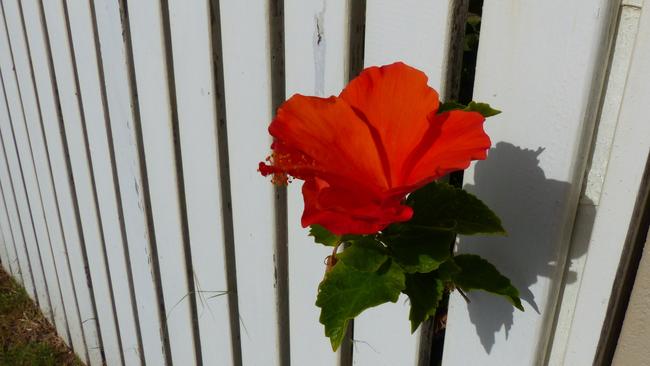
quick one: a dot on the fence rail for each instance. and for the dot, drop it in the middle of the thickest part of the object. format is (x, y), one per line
(132, 212)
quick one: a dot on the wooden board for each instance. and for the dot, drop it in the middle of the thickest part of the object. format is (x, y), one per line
(197, 118)
(10, 259)
(626, 33)
(10, 262)
(316, 48)
(65, 69)
(4, 255)
(18, 180)
(73, 241)
(95, 121)
(11, 208)
(247, 84)
(415, 32)
(68, 319)
(123, 142)
(547, 83)
(157, 124)
(622, 183)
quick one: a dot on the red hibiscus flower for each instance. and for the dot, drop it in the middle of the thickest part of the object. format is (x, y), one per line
(362, 152)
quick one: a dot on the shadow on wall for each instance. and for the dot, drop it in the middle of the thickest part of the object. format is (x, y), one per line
(511, 182)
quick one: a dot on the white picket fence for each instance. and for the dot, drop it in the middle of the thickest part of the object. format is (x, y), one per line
(132, 211)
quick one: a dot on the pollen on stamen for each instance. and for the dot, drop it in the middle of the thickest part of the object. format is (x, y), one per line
(278, 177)
(284, 167)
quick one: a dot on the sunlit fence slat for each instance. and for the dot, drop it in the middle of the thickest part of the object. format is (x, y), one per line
(618, 206)
(158, 124)
(547, 80)
(415, 32)
(316, 63)
(198, 137)
(246, 48)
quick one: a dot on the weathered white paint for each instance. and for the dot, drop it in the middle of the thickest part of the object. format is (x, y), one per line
(10, 261)
(128, 168)
(532, 177)
(247, 79)
(73, 124)
(316, 47)
(195, 98)
(68, 317)
(10, 203)
(415, 32)
(626, 35)
(73, 242)
(18, 179)
(622, 54)
(4, 255)
(628, 157)
(149, 58)
(95, 119)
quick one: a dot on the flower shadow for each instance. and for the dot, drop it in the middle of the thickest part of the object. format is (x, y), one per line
(512, 183)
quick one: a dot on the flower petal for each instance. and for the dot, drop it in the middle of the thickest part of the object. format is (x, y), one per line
(454, 139)
(343, 211)
(396, 102)
(336, 142)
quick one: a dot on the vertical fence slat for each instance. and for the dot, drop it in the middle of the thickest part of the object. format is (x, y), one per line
(316, 47)
(626, 34)
(42, 167)
(11, 208)
(622, 184)
(67, 86)
(547, 79)
(45, 85)
(149, 59)
(4, 255)
(11, 263)
(19, 182)
(95, 120)
(247, 78)
(19, 88)
(415, 32)
(128, 168)
(193, 68)
(6, 244)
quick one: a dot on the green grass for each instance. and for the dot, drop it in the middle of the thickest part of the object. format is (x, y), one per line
(26, 337)
(33, 353)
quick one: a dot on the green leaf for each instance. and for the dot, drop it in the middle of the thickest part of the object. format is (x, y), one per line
(324, 236)
(441, 206)
(420, 250)
(448, 270)
(478, 274)
(346, 292)
(425, 291)
(364, 254)
(450, 106)
(482, 108)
